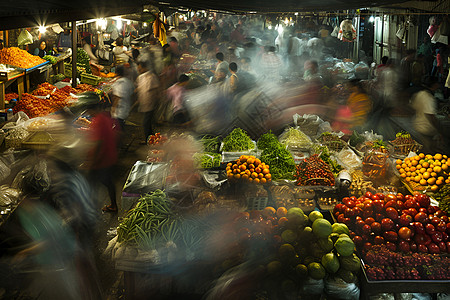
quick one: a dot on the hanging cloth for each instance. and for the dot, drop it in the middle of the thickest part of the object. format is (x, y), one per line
(159, 31)
(347, 33)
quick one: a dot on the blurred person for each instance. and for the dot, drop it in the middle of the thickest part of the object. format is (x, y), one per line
(427, 50)
(388, 85)
(222, 67)
(438, 65)
(40, 49)
(86, 43)
(207, 35)
(175, 95)
(102, 154)
(120, 52)
(418, 70)
(270, 64)
(203, 54)
(237, 35)
(405, 67)
(234, 79)
(65, 39)
(148, 95)
(122, 92)
(174, 47)
(311, 68)
(359, 104)
(198, 36)
(381, 66)
(425, 121)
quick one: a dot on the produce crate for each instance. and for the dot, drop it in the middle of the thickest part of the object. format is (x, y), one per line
(401, 151)
(327, 203)
(90, 79)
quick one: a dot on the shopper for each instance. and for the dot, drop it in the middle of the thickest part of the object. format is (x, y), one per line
(122, 92)
(86, 43)
(270, 64)
(359, 104)
(405, 67)
(175, 96)
(418, 70)
(148, 94)
(120, 52)
(234, 79)
(102, 154)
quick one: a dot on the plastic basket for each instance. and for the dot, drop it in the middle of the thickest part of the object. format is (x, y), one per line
(90, 79)
(257, 203)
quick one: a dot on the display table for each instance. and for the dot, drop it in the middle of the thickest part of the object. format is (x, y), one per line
(58, 67)
(19, 78)
(41, 68)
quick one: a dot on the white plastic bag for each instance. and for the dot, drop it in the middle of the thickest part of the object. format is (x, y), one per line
(24, 38)
(337, 288)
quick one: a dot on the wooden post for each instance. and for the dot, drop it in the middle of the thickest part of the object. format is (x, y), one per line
(20, 86)
(2, 95)
(74, 54)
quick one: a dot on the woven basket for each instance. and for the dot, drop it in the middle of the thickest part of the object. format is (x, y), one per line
(406, 148)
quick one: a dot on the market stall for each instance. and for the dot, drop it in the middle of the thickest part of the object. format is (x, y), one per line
(300, 212)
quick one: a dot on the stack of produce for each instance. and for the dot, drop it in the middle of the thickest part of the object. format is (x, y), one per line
(376, 145)
(10, 96)
(425, 172)
(375, 161)
(210, 143)
(250, 169)
(295, 139)
(156, 139)
(332, 141)
(403, 144)
(314, 171)
(50, 58)
(325, 155)
(237, 141)
(207, 160)
(83, 60)
(19, 58)
(359, 185)
(281, 161)
(401, 223)
(443, 197)
(43, 89)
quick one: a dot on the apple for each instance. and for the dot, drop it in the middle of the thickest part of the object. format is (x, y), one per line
(405, 220)
(391, 246)
(368, 194)
(412, 204)
(419, 228)
(437, 237)
(349, 213)
(341, 218)
(376, 227)
(404, 233)
(422, 248)
(390, 236)
(413, 247)
(359, 225)
(375, 197)
(380, 196)
(378, 240)
(366, 229)
(400, 205)
(429, 228)
(445, 236)
(420, 217)
(400, 197)
(379, 217)
(432, 209)
(423, 200)
(350, 204)
(422, 239)
(391, 203)
(367, 214)
(442, 246)
(387, 224)
(358, 240)
(404, 246)
(378, 205)
(433, 248)
(347, 221)
(445, 218)
(424, 210)
(357, 211)
(408, 197)
(392, 213)
(390, 197)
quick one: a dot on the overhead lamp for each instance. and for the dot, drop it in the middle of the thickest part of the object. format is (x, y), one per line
(296, 14)
(145, 24)
(280, 29)
(119, 24)
(371, 19)
(42, 29)
(269, 27)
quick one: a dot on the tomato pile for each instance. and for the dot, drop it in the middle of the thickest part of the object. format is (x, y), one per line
(156, 139)
(10, 96)
(314, 171)
(19, 58)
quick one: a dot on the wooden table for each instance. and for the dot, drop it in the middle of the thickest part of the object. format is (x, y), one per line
(4, 84)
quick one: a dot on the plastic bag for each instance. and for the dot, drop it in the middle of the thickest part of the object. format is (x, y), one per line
(308, 124)
(8, 195)
(348, 159)
(313, 287)
(422, 296)
(337, 288)
(371, 136)
(24, 38)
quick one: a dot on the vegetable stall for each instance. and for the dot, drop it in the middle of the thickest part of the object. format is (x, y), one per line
(305, 214)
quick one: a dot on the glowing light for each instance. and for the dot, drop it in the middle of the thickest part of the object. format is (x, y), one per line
(280, 29)
(296, 14)
(145, 24)
(269, 27)
(371, 19)
(128, 22)
(101, 23)
(286, 21)
(42, 29)
(119, 24)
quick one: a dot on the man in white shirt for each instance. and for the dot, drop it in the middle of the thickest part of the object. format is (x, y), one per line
(148, 93)
(122, 91)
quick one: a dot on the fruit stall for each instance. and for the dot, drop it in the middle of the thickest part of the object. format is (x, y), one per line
(305, 215)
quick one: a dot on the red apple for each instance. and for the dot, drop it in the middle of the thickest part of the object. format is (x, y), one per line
(429, 228)
(435, 220)
(432, 209)
(368, 194)
(378, 205)
(390, 197)
(390, 236)
(358, 240)
(420, 217)
(445, 218)
(403, 246)
(347, 221)
(433, 248)
(392, 213)
(366, 229)
(391, 203)
(387, 224)
(412, 204)
(376, 227)
(379, 217)
(405, 220)
(400, 197)
(378, 240)
(350, 204)
(419, 228)
(445, 236)
(442, 247)
(439, 213)
(369, 220)
(380, 196)
(400, 205)
(424, 210)
(341, 218)
(423, 200)
(359, 225)
(441, 226)
(404, 233)
(412, 211)
(422, 239)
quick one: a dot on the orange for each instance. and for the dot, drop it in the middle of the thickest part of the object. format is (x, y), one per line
(263, 180)
(269, 211)
(425, 164)
(237, 176)
(250, 180)
(250, 160)
(242, 167)
(251, 166)
(404, 165)
(256, 180)
(268, 176)
(414, 162)
(438, 156)
(281, 212)
(229, 164)
(434, 188)
(398, 161)
(403, 175)
(433, 174)
(254, 175)
(413, 169)
(401, 171)
(235, 166)
(422, 170)
(431, 180)
(228, 169)
(265, 171)
(444, 167)
(423, 182)
(258, 170)
(243, 158)
(408, 179)
(257, 162)
(437, 169)
(426, 175)
(417, 179)
(260, 175)
(417, 157)
(439, 182)
(230, 175)
(421, 155)
(283, 220)
(407, 169)
(398, 167)
(245, 176)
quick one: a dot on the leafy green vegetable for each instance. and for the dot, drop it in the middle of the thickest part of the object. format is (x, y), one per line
(83, 60)
(356, 139)
(50, 58)
(275, 154)
(210, 143)
(267, 140)
(237, 140)
(207, 160)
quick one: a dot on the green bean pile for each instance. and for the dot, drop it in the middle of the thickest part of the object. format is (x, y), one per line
(443, 197)
(207, 160)
(210, 143)
(237, 140)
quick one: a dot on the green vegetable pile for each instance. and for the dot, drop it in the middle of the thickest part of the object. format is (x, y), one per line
(83, 60)
(356, 139)
(50, 58)
(443, 197)
(294, 138)
(280, 160)
(326, 157)
(210, 143)
(151, 216)
(267, 140)
(207, 160)
(237, 140)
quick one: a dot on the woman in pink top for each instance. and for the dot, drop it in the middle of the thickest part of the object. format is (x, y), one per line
(176, 94)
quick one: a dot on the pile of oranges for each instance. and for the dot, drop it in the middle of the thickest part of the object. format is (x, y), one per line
(426, 170)
(250, 169)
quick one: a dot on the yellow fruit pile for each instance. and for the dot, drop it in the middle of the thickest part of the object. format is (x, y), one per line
(426, 170)
(249, 169)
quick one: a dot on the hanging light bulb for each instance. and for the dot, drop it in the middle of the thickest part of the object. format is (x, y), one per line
(371, 19)
(42, 29)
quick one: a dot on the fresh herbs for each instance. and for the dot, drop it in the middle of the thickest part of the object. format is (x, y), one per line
(237, 140)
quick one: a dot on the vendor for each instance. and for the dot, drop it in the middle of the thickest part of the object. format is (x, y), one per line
(120, 52)
(86, 42)
(40, 50)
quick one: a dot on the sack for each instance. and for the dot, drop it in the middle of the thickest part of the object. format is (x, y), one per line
(401, 31)
(436, 35)
(25, 38)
